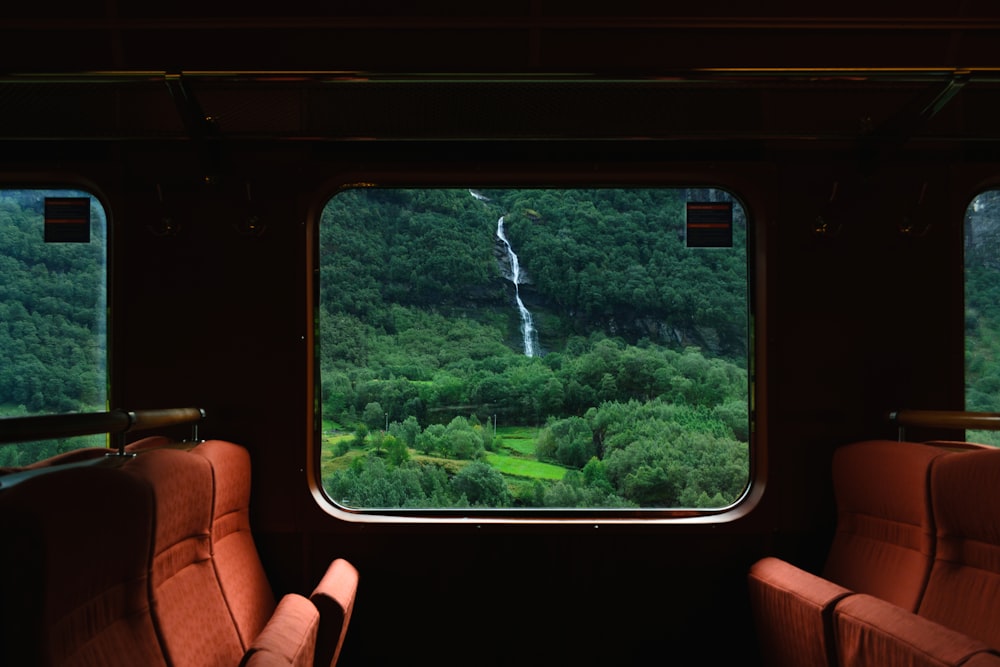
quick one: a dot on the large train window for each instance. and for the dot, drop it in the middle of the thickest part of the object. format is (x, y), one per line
(982, 310)
(53, 312)
(534, 348)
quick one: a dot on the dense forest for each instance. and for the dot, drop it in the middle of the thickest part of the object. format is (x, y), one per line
(53, 333)
(634, 388)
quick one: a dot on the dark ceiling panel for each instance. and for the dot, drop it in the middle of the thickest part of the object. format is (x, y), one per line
(527, 69)
(527, 36)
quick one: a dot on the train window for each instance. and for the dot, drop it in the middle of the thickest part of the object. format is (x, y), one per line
(982, 310)
(533, 348)
(53, 312)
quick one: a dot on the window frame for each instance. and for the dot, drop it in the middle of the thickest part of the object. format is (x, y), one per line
(736, 185)
(991, 438)
(62, 187)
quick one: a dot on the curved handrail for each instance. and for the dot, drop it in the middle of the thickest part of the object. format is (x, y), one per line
(42, 427)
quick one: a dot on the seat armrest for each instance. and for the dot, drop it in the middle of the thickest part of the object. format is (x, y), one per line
(793, 613)
(871, 631)
(334, 598)
(289, 638)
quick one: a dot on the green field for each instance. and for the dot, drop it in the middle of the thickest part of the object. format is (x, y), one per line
(519, 440)
(520, 467)
(516, 457)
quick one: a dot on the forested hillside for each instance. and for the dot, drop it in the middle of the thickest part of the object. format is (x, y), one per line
(637, 390)
(53, 338)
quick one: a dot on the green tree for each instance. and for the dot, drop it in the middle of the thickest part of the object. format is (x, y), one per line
(408, 431)
(360, 435)
(482, 485)
(431, 439)
(374, 416)
(569, 442)
(396, 451)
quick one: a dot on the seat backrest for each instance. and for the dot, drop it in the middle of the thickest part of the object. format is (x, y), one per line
(237, 563)
(74, 567)
(189, 609)
(964, 584)
(884, 540)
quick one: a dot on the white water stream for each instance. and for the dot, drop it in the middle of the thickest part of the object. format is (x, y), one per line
(528, 333)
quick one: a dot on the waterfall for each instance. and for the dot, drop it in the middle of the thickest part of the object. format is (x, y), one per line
(527, 324)
(528, 333)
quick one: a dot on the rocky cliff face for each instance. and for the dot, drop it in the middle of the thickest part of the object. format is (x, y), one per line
(982, 229)
(631, 325)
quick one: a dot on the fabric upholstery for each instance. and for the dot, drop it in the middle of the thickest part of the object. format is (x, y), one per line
(964, 586)
(74, 564)
(884, 540)
(149, 560)
(155, 442)
(189, 609)
(289, 638)
(883, 546)
(237, 564)
(334, 598)
(793, 614)
(875, 633)
(240, 572)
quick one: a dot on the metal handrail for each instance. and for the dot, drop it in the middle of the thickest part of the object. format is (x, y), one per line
(43, 427)
(956, 419)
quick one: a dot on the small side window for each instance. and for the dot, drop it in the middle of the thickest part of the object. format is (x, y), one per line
(53, 312)
(982, 310)
(534, 349)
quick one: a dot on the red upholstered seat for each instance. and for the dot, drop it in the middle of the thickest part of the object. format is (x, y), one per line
(883, 546)
(189, 609)
(74, 567)
(240, 572)
(149, 560)
(963, 591)
(884, 541)
(234, 554)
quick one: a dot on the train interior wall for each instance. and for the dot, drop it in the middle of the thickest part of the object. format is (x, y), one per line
(857, 263)
(851, 324)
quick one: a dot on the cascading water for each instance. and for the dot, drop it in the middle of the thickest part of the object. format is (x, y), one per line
(528, 333)
(527, 324)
